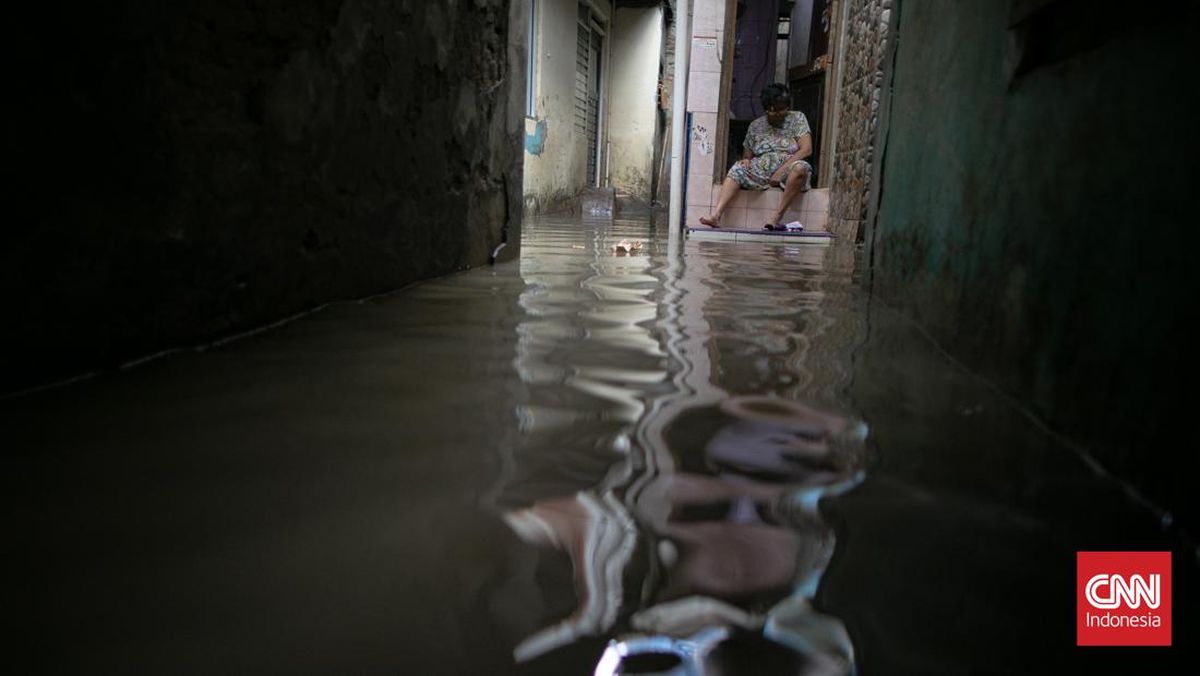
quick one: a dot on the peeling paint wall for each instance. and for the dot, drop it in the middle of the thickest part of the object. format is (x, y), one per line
(633, 119)
(535, 136)
(1039, 224)
(192, 170)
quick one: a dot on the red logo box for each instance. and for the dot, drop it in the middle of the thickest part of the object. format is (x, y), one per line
(1123, 598)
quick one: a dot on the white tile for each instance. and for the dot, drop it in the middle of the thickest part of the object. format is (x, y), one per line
(702, 145)
(704, 126)
(789, 216)
(817, 200)
(761, 199)
(716, 194)
(700, 164)
(815, 220)
(692, 215)
(704, 90)
(708, 16)
(733, 218)
(709, 235)
(756, 218)
(699, 189)
(706, 52)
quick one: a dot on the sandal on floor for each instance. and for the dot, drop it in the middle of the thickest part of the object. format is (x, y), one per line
(774, 226)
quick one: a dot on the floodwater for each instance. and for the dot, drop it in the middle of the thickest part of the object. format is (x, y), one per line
(706, 458)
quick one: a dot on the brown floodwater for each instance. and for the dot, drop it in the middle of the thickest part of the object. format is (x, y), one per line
(699, 457)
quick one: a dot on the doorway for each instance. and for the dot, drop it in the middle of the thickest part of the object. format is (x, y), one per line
(783, 41)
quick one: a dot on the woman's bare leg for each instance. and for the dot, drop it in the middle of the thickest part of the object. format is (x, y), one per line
(729, 188)
(796, 179)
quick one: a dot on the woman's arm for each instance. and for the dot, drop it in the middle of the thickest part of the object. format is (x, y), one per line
(803, 151)
(747, 144)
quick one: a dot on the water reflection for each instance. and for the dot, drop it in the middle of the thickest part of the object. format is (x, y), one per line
(670, 430)
(740, 551)
(689, 514)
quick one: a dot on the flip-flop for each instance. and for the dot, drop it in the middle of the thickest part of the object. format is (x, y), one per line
(712, 223)
(774, 226)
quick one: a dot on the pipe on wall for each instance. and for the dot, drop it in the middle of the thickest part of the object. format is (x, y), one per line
(683, 48)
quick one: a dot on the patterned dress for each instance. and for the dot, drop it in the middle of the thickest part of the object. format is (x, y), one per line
(771, 147)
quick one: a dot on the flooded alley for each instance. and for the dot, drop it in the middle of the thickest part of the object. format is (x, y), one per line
(699, 457)
(557, 337)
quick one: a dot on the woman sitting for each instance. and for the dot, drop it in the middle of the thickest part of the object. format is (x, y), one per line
(774, 155)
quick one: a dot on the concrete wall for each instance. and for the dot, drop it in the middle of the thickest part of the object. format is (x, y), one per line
(555, 153)
(861, 78)
(633, 118)
(666, 90)
(190, 170)
(1039, 223)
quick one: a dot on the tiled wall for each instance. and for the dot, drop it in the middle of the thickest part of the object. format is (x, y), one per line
(704, 90)
(752, 208)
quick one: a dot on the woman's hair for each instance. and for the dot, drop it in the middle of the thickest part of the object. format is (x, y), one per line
(774, 94)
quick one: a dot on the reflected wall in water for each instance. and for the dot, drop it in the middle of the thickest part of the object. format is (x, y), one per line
(697, 514)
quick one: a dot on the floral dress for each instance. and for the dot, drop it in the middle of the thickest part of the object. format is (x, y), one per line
(771, 147)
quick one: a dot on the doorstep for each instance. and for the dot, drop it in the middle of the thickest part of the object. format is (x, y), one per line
(814, 238)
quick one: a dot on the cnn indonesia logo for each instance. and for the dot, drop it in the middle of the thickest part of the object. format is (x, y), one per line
(1123, 598)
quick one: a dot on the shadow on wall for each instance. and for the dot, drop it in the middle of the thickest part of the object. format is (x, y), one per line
(196, 170)
(1013, 196)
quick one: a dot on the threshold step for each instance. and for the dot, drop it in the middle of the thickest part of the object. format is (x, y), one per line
(817, 237)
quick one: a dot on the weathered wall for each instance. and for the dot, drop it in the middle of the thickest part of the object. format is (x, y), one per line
(666, 89)
(632, 119)
(865, 35)
(1039, 224)
(555, 152)
(194, 169)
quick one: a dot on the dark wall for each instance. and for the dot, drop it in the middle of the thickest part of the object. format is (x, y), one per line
(188, 170)
(1037, 196)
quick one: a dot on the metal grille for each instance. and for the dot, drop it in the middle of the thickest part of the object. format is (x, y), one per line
(582, 73)
(587, 88)
(593, 109)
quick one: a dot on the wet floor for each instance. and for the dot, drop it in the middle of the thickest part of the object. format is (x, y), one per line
(706, 458)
